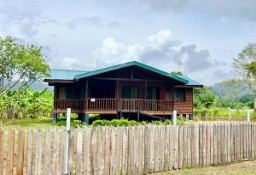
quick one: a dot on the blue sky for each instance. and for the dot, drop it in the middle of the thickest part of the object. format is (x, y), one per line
(197, 37)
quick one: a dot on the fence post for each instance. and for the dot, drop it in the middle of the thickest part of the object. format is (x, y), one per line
(248, 117)
(67, 142)
(174, 120)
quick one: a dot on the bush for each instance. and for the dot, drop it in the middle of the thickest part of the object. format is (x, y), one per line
(143, 123)
(156, 122)
(133, 123)
(168, 122)
(180, 121)
(101, 123)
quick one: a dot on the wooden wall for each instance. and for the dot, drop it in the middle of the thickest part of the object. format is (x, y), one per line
(165, 92)
(185, 107)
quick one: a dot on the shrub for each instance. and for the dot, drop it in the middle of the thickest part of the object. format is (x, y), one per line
(156, 122)
(101, 123)
(168, 122)
(133, 123)
(143, 123)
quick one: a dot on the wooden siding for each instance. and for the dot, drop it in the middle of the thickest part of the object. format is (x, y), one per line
(165, 91)
(185, 107)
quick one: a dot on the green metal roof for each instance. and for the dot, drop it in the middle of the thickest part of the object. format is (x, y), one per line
(190, 81)
(133, 63)
(59, 74)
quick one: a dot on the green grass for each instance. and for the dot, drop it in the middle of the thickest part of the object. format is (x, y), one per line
(27, 123)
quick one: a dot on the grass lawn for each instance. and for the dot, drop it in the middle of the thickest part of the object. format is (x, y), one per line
(27, 123)
(240, 168)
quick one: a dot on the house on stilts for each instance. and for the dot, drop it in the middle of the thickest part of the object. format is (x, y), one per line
(128, 89)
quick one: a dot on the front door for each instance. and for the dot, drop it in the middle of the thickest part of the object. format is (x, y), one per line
(129, 95)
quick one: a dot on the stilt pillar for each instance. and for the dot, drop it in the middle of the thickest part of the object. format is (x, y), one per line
(54, 117)
(85, 118)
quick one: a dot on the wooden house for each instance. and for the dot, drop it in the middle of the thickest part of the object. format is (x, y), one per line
(122, 89)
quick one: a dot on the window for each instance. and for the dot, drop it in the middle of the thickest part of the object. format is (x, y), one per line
(179, 94)
(153, 93)
(130, 92)
(62, 92)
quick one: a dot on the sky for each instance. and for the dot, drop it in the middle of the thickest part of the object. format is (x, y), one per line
(197, 37)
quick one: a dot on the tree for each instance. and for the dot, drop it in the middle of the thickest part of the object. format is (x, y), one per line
(176, 73)
(20, 63)
(244, 67)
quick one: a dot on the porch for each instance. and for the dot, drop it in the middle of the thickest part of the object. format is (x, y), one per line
(114, 105)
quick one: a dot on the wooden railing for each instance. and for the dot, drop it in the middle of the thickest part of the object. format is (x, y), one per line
(75, 104)
(145, 105)
(108, 104)
(100, 104)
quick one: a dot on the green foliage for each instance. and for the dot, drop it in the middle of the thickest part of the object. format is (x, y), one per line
(133, 123)
(168, 122)
(74, 122)
(156, 122)
(20, 62)
(244, 67)
(143, 123)
(31, 103)
(181, 121)
(203, 98)
(101, 123)
(121, 122)
(94, 116)
(176, 73)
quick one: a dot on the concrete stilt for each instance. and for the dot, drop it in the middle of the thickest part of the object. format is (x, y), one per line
(85, 118)
(138, 116)
(54, 117)
(120, 115)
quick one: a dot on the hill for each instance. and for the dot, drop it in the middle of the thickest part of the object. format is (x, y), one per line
(231, 90)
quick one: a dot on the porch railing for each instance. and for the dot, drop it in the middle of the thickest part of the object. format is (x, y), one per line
(110, 104)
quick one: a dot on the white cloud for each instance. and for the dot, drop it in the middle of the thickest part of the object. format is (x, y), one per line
(161, 49)
(71, 63)
(112, 51)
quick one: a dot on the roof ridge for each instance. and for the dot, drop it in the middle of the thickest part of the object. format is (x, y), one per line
(131, 63)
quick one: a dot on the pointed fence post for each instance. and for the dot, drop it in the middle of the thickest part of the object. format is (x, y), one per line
(67, 142)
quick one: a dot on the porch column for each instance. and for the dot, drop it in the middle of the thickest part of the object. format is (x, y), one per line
(145, 96)
(117, 96)
(85, 118)
(86, 94)
(173, 98)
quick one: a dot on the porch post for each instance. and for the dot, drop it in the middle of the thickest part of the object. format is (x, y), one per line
(118, 115)
(86, 94)
(145, 96)
(173, 96)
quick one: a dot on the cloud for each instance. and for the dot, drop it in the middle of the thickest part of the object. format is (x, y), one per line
(223, 9)
(163, 49)
(22, 18)
(113, 51)
(71, 63)
(93, 20)
(160, 5)
(195, 60)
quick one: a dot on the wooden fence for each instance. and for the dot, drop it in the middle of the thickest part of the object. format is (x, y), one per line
(125, 150)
